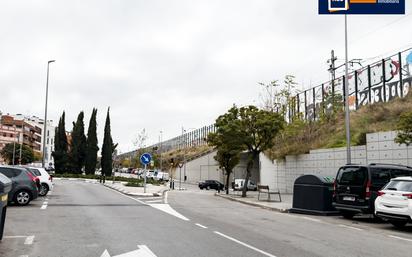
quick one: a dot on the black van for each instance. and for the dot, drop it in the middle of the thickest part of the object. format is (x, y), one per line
(356, 186)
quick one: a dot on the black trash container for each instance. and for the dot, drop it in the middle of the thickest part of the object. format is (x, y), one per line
(5, 187)
(313, 195)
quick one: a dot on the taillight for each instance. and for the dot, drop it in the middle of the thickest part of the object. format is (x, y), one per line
(32, 178)
(368, 192)
(380, 193)
(409, 196)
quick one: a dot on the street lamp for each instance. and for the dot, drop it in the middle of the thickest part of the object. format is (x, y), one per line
(45, 115)
(347, 114)
(160, 148)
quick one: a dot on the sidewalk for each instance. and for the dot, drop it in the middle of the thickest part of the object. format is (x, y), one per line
(252, 196)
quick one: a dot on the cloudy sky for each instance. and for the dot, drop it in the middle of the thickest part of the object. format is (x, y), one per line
(164, 64)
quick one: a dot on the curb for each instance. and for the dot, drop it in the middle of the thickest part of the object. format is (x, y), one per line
(134, 194)
(254, 204)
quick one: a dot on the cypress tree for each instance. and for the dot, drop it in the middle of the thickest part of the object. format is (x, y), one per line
(91, 145)
(107, 148)
(78, 145)
(60, 147)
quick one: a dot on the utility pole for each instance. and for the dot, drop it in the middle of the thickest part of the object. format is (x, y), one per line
(332, 66)
(347, 114)
(21, 143)
(160, 149)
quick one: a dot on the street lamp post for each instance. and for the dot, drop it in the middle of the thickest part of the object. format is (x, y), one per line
(347, 114)
(160, 149)
(45, 115)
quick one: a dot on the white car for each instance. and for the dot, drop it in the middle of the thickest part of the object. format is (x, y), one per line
(45, 180)
(394, 201)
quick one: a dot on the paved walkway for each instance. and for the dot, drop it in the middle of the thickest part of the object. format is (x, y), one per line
(252, 199)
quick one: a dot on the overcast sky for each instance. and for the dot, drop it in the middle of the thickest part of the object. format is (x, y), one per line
(164, 64)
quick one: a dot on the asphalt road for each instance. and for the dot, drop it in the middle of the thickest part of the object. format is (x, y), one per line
(83, 219)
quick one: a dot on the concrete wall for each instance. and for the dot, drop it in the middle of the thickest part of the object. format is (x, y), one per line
(380, 148)
(206, 167)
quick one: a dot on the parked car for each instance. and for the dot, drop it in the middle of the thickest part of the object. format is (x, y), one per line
(160, 175)
(239, 184)
(394, 202)
(356, 186)
(45, 180)
(24, 185)
(211, 184)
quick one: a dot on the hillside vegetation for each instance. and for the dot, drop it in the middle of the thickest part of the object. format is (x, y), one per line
(300, 136)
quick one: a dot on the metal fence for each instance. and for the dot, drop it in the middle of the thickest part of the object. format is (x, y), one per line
(381, 81)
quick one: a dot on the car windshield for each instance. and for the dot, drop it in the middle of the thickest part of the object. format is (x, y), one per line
(399, 185)
(352, 176)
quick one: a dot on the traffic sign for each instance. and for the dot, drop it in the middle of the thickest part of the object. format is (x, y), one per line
(145, 158)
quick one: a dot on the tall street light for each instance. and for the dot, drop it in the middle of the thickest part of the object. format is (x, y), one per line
(45, 115)
(347, 114)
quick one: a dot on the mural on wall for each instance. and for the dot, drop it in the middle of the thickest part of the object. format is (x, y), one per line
(378, 82)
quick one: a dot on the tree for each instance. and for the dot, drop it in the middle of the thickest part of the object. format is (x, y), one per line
(78, 145)
(227, 142)
(255, 131)
(27, 154)
(60, 147)
(404, 127)
(91, 145)
(107, 148)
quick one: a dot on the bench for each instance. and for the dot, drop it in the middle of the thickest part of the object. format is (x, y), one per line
(264, 189)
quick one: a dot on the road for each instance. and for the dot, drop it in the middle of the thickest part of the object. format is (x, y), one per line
(84, 219)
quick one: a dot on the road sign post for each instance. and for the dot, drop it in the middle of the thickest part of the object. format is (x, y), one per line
(180, 175)
(145, 159)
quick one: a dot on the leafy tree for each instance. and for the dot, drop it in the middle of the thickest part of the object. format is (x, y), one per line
(78, 145)
(107, 148)
(91, 145)
(60, 147)
(255, 131)
(227, 140)
(404, 127)
(27, 154)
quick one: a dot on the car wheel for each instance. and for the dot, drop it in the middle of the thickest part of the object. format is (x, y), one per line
(44, 189)
(22, 197)
(398, 223)
(347, 214)
(208, 188)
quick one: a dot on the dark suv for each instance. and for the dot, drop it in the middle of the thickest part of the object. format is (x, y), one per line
(211, 184)
(356, 186)
(24, 185)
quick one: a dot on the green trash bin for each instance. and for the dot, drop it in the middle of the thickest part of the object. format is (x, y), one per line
(5, 187)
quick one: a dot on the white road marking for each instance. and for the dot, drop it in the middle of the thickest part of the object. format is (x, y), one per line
(44, 206)
(160, 206)
(200, 225)
(146, 250)
(401, 238)
(350, 227)
(23, 256)
(244, 244)
(6, 237)
(29, 240)
(165, 198)
(311, 219)
(169, 210)
(154, 201)
(142, 251)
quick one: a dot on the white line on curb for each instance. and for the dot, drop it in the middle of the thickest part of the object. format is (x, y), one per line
(200, 225)
(401, 238)
(244, 244)
(14, 237)
(29, 240)
(345, 226)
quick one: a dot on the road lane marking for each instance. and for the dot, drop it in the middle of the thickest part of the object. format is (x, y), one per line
(165, 198)
(23, 256)
(311, 219)
(160, 206)
(14, 237)
(29, 240)
(401, 238)
(350, 227)
(44, 206)
(154, 201)
(244, 244)
(200, 225)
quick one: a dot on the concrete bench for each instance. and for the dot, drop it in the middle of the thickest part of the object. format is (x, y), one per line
(264, 189)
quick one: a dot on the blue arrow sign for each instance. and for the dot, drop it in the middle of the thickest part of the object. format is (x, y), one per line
(145, 158)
